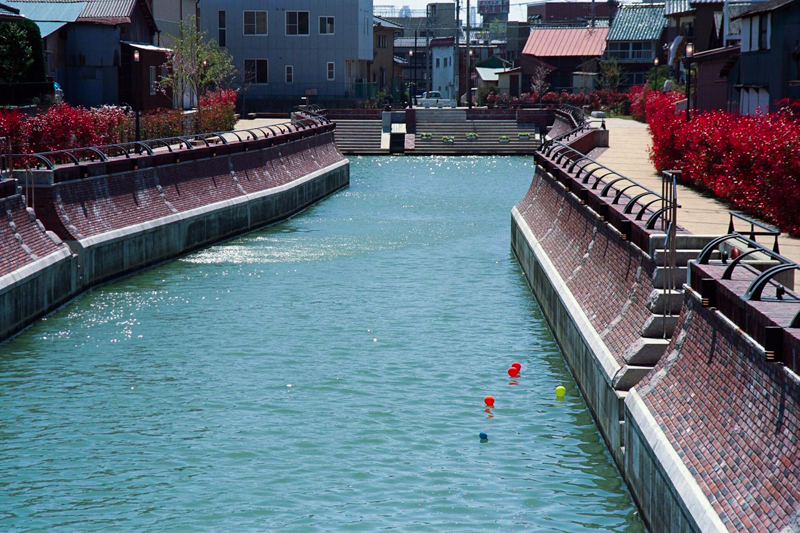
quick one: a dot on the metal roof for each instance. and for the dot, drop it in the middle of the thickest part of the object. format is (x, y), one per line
(675, 7)
(49, 16)
(378, 21)
(566, 42)
(638, 22)
(97, 11)
(771, 5)
(408, 42)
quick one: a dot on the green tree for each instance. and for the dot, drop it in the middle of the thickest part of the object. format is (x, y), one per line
(21, 56)
(196, 64)
(610, 74)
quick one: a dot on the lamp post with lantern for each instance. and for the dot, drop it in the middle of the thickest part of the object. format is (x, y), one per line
(137, 94)
(688, 66)
(655, 67)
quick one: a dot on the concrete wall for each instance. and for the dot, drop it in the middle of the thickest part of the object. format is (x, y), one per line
(36, 289)
(590, 361)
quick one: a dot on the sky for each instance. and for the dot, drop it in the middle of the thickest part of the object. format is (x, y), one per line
(518, 9)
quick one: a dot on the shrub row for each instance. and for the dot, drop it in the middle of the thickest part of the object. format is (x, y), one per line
(751, 161)
(602, 100)
(64, 126)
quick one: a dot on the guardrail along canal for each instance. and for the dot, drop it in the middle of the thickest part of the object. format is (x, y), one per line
(324, 373)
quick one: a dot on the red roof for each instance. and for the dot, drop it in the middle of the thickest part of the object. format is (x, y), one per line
(566, 42)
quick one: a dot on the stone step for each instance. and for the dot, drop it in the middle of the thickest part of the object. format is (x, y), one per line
(645, 352)
(659, 326)
(629, 376)
(661, 274)
(661, 301)
(682, 256)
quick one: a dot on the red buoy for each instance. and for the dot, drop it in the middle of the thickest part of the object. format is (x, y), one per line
(489, 400)
(513, 371)
(517, 365)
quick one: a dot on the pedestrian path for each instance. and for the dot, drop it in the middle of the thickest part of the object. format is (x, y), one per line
(628, 154)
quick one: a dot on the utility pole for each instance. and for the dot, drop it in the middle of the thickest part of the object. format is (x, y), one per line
(469, 64)
(457, 53)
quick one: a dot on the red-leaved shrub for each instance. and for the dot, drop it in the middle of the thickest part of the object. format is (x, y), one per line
(217, 111)
(751, 161)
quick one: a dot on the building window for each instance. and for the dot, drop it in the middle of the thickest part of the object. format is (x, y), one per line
(153, 80)
(631, 50)
(289, 74)
(381, 41)
(437, 62)
(256, 70)
(222, 36)
(763, 27)
(255, 22)
(297, 23)
(753, 34)
(326, 25)
(331, 71)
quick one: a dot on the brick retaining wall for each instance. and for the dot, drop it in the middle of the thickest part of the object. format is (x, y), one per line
(121, 215)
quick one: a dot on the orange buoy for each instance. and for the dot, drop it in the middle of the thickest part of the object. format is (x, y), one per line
(489, 400)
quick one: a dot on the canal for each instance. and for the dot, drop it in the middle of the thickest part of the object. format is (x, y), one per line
(325, 373)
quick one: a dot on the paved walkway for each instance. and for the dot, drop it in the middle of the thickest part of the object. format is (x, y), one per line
(628, 154)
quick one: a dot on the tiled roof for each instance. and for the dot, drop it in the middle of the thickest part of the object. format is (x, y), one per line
(638, 22)
(566, 42)
(674, 7)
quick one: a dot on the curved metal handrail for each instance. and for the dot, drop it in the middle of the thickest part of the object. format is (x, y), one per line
(753, 292)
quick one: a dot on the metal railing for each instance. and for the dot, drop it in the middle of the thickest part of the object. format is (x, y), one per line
(589, 172)
(75, 156)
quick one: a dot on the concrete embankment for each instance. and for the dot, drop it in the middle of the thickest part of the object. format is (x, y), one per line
(97, 221)
(701, 423)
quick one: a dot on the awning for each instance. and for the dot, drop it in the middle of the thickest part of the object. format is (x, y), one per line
(150, 47)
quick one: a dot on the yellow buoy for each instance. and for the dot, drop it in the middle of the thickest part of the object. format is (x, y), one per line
(560, 391)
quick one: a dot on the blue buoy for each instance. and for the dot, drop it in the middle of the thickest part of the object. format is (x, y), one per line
(484, 436)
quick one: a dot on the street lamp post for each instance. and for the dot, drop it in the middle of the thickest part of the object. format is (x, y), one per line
(688, 66)
(655, 66)
(412, 92)
(137, 93)
(469, 63)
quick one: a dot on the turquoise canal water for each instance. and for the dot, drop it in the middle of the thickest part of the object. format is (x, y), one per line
(325, 373)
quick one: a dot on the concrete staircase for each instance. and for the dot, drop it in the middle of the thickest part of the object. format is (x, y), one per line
(441, 123)
(359, 137)
(664, 302)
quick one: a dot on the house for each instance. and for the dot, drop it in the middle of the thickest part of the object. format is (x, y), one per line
(563, 50)
(443, 56)
(711, 88)
(488, 72)
(417, 67)
(89, 46)
(568, 12)
(288, 49)
(635, 37)
(768, 69)
(384, 71)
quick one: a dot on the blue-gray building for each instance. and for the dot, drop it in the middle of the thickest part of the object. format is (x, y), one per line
(287, 49)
